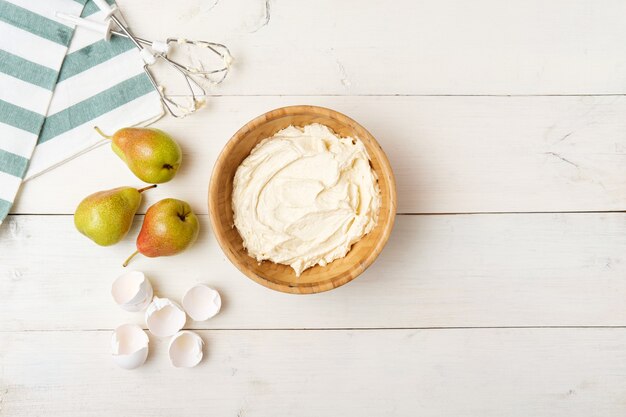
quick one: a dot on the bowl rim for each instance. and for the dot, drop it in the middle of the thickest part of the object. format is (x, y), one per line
(305, 288)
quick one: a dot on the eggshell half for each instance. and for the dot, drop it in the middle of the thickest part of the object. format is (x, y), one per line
(132, 291)
(185, 349)
(202, 302)
(164, 317)
(129, 344)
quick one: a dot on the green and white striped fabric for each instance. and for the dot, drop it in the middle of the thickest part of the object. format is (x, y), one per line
(56, 84)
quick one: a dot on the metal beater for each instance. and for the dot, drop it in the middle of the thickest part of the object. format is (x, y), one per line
(152, 51)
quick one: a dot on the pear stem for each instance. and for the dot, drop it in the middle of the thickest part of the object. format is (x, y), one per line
(101, 133)
(141, 190)
(129, 258)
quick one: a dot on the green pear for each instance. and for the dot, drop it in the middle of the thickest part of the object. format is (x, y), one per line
(106, 216)
(169, 227)
(151, 154)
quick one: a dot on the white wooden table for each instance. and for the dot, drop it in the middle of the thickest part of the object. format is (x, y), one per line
(501, 292)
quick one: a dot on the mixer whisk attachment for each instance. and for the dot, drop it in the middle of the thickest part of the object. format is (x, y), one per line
(155, 52)
(214, 76)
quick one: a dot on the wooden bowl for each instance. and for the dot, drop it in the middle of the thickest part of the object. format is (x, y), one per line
(282, 277)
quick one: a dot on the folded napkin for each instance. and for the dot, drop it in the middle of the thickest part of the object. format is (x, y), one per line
(56, 84)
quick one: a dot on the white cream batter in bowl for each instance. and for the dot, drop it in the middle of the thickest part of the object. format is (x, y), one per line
(304, 196)
(302, 199)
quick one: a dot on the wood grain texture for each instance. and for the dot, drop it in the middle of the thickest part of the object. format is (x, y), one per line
(436, 271)
(282, 277)
(481, 372)
(449, 154)
(373, 61)
(406, 47)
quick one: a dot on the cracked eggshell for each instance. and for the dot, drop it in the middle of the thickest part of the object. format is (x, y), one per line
(132, 291)
(185, 349)
(202, 302)
(164, 317)
(129, 345)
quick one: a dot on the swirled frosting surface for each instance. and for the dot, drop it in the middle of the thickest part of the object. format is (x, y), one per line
(304, 196)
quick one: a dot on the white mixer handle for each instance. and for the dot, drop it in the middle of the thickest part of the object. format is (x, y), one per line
(103, 28)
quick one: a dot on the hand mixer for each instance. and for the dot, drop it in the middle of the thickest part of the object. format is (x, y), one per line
(152, 51)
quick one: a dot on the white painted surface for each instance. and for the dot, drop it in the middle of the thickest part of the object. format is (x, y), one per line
(447, 372)
(404, 47)
(449, 154)
(437, 271)
(494, 290)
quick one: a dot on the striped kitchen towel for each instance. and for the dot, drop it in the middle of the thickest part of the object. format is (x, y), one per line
(56, 84)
